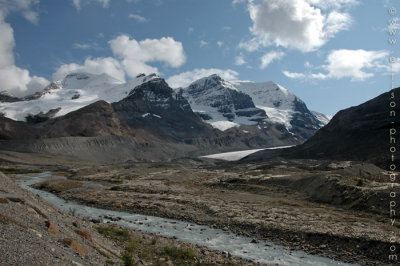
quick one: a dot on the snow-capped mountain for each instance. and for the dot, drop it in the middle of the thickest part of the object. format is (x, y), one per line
(142, 119)
(261, 106)
(283, 107)
(323, 118)
(5, 96)
(220, 104)
(275, 100)
(226, 104)
(75, 91)
(353, 134)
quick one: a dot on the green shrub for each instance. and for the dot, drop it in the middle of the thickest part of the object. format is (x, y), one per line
(127, 259)
(178, 253)
(58, 186)
(114, 233)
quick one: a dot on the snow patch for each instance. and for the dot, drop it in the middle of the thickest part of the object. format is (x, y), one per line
(148, 114)
(90, 88)
(224, 125)
(237, 155)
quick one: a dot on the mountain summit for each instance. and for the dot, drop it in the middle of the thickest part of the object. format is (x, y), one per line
(226, 104)
(75, 91)
(220, 104)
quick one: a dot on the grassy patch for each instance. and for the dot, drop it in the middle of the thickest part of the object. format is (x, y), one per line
(114, 233)
(131, 177)
(127, 259)
(16, 171)
(64, 173)
(178, 255)
(109, 262)
(124, 238)
(157, 165)
(57, 186)
(149, 249)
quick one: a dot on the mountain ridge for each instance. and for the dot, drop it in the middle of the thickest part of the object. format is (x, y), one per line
(79, 89)
(153, 122)
(358, 133)
(261, 105)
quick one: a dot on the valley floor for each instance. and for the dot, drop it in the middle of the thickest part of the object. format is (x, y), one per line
(334, 209)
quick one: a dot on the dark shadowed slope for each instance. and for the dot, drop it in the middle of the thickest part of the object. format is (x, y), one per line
(357, 133)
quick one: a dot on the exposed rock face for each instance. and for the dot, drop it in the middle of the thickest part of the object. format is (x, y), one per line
(97, 119)
(41, 117)
(324, 119)
(51, 87)
(357, 133)
(11, 129)
(222, 98)
(5, 97)
(226, 105)
(304, 122)
(155, 106)
(283, 107)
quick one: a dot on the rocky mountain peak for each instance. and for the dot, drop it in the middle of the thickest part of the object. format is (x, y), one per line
(211, 83)
(6, 97)
(219, 103)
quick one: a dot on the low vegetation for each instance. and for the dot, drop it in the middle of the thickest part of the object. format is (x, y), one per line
(178, 254)
(58, 186)
(115, 233)
(16, 171)
(150, 250)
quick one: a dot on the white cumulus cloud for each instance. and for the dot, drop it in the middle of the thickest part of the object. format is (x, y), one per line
(305, 25)
(14, 79)
(136, 55)
(184, 79)
(293, 75)
(107, 65)
(131, 58)
(333, 4)
(355, 64)
(358, 65)
(269, 57)
(26, 7)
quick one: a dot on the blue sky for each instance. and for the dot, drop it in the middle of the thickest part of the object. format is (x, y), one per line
(333, 54)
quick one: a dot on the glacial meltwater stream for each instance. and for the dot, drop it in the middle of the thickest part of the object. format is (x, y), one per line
(263, 252)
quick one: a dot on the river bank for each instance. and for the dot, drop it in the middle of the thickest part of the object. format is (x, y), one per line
(245, 201)
(33, 232)
(227, 243)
